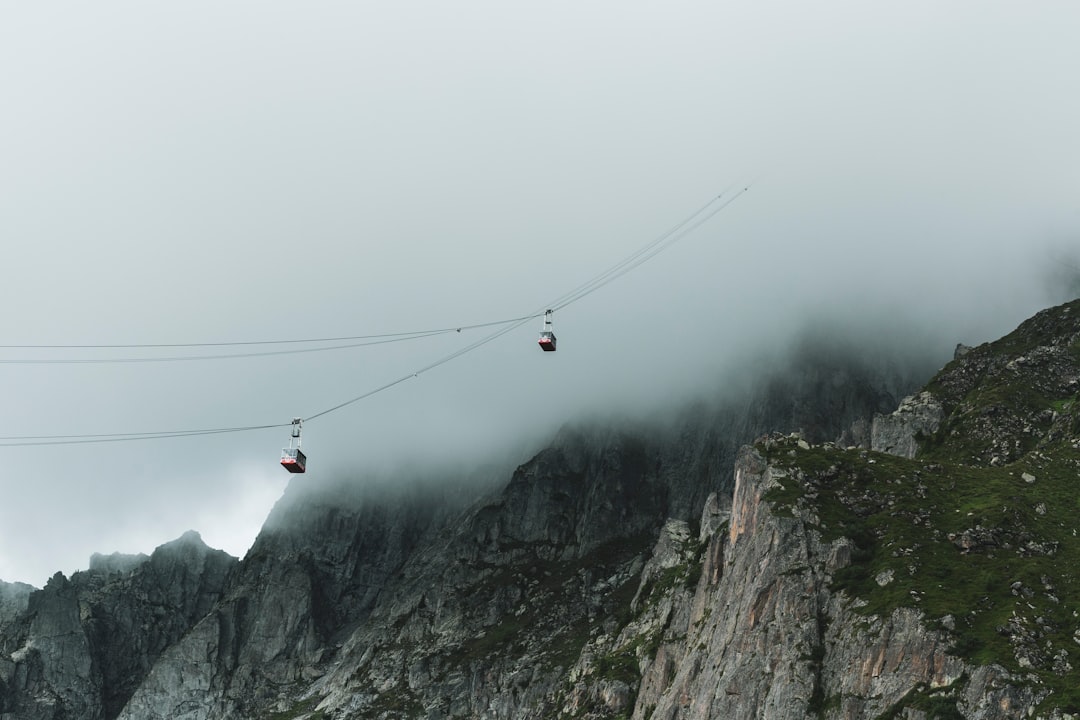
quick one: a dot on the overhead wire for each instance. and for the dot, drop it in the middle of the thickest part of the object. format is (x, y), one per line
(640, 256)
(659, 244)
(417, 373)
(651, 250)
(27, 440)
(382, 339)
(30, 440)
(600, 278)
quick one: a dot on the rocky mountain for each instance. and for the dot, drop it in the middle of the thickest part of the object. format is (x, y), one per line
(812, 545)
(79, 647)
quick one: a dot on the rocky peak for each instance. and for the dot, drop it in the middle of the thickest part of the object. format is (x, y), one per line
(972, 534)
(1004, 399)
(116, 563)
(81, 645)
(13, 601)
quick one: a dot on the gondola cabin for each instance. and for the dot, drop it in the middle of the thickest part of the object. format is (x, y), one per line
(293, 460)
(547, 335)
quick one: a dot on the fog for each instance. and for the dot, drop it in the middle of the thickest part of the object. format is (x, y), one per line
(204, 172)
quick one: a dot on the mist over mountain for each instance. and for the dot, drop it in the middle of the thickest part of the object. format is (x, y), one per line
(813, 457)
(630, 567)
(216, 173)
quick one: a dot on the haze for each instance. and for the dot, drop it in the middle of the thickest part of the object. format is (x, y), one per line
(214, 172)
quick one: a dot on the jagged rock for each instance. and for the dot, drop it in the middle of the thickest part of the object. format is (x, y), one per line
(884, 577)
(778, 641)
(993, 693)
(713, 516)
(977, 538)
(840, 555)
(898, 433)
(857, 436)
(13, 601)
(996, 396)
(50, 672)
(82, 645)
(668, 549)
(116, 562)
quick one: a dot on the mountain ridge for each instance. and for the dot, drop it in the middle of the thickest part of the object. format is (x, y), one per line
(617, 574)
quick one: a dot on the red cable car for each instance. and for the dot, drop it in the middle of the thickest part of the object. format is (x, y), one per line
(547, 337)
(292, 459)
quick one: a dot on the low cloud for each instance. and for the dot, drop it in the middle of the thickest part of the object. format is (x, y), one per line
(305, 173)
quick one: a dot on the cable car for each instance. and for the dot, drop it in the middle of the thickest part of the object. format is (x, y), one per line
(547, 337)
(292, 459)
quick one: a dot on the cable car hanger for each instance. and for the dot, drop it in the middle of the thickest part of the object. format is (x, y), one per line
(292, 458)
(547, 336)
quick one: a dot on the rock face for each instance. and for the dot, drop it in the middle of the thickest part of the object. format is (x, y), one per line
(288, 606)
(763, 635)
(898, 433)
(14, 598)
(81, 646)
(1004, 399)
(854, 567)
(391, 606)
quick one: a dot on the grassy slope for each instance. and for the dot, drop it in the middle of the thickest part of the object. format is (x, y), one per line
(968, 539)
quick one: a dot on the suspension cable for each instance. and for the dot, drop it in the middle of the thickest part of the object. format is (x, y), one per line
(640, 256)
(368, 340)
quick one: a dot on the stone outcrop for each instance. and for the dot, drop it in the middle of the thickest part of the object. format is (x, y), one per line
(898, 433)
(14, 598)
(283, 613)
(118, 563)
(1004, 399)
(762, 635)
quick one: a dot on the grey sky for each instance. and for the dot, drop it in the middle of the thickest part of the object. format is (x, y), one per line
(205, 171)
